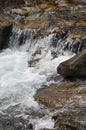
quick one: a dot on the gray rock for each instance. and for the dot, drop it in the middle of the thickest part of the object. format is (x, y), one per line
(74, 67)
(11, 3)
(5, 30)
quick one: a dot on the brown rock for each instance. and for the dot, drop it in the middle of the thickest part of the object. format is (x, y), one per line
(65, 97)
(24, 10)
(61, 124)
(37, 2)
(59, 95)
(33, 22)
(74, 67)
(33, 62)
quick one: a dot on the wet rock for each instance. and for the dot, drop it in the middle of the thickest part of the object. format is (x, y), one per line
(75, 2)
(74, 67)
(11, 3)
(19, 125)
(64, 41)
(46, 129)
(33, 62)
(37, 23)
(57, 37)
(30, 126)
(25, 11)
(59, 95)
(68, 99)
(5, 30)
(33, 22)
(57, 16)
(76, 45)
(12, 123)
(67, 126)
(37, 2)
(71, 119)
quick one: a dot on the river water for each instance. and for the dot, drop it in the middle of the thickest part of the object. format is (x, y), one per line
(19, 81)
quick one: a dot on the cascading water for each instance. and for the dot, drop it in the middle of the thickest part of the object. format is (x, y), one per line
(24, 69)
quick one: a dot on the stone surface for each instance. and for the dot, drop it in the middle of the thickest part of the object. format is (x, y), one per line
(59, 95)
(66, 123)
(11, 3)
(57, 16)
(45, 16)
(68, 41)
(34, 22)
(5, 30)
(69, 101)
(74, 67)
(66, 19)
(25, 11)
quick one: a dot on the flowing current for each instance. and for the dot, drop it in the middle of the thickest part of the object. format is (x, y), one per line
(23, 70)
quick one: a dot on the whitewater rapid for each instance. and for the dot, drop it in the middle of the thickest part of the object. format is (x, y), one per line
(19, 82)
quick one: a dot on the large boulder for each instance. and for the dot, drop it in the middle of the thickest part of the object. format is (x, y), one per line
(74, 67)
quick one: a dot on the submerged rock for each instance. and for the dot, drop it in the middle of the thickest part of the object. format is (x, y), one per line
(74, 67)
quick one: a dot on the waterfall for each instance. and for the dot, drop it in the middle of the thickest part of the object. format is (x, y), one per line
(25, 67)
(19, 37)
(63, 44)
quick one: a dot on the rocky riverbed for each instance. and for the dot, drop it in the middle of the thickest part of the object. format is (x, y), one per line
(62, 103)
(68, 98)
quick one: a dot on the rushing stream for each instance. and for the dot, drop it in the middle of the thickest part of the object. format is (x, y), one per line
(19, 81)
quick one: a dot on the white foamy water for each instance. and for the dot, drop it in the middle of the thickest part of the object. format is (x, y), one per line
(19, 82)
(45, 122)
